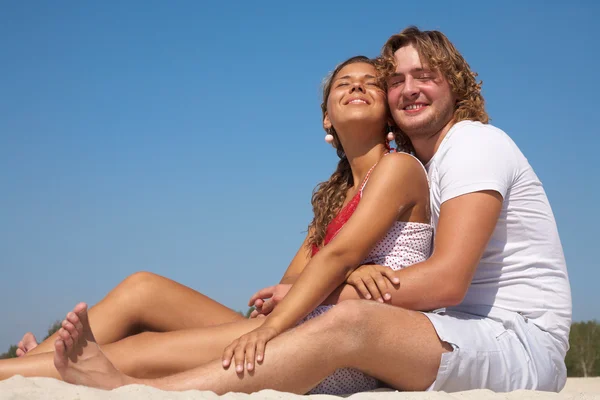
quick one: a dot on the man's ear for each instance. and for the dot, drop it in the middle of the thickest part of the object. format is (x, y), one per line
(327, 122)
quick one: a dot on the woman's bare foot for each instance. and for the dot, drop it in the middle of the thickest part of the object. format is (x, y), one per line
(27, 343)
(79, 359)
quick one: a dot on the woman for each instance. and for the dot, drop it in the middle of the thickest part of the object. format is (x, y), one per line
(387, 226)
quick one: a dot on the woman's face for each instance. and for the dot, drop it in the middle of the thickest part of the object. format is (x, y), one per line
(356, 98)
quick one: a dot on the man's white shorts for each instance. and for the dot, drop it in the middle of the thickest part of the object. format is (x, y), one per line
(502, 353)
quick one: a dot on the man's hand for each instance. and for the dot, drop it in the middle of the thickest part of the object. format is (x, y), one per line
(265, 300)
(373, 281)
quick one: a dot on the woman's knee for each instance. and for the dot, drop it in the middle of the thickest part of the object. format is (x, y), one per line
(136, 291)
(141, 277)
(140, 281)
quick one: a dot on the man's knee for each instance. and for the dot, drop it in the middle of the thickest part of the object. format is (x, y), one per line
(364, 317)
(348, 316)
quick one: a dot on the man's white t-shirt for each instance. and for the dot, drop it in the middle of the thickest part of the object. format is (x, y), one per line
(523, 268)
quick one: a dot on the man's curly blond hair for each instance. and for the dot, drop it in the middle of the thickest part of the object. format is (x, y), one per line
(439, 54)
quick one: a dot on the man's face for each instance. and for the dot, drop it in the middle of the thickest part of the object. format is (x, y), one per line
(420, 100)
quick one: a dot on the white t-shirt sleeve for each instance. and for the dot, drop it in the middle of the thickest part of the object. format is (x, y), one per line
(476, 158)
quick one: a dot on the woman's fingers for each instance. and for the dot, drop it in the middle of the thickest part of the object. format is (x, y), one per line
(265, 293)
(391, 275)
(239, 354)
(381, 282)
(250, 351)
(373, 289)
(228, 354)
(374, 282)
(260, 350)
(258, 303)
(267, 307)
(362, 289)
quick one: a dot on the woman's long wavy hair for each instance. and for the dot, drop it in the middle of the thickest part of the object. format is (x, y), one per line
(439, 53)
(328, 197)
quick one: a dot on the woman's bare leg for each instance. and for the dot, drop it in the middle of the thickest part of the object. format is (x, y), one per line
(26, 344)
(148, 354)
(146, 301)
(395, 345)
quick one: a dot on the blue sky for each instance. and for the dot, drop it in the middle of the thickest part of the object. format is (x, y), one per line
(185, 139)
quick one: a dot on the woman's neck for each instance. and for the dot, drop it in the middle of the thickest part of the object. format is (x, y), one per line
(362, 159)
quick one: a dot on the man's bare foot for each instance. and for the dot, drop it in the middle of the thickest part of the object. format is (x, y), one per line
(27, 343)
(78, 358)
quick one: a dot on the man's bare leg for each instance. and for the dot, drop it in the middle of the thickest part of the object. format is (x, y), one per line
(395, 345)
(133, 306)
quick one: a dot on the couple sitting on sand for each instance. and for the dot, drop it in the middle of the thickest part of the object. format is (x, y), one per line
(367, 301)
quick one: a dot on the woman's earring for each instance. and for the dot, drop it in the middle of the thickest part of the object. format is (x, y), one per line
(329, 138)
(391, 136)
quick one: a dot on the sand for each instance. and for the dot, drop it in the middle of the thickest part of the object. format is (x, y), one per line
(46, 388)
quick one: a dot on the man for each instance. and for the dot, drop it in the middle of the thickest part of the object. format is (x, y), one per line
(497, 269)
(486, 200)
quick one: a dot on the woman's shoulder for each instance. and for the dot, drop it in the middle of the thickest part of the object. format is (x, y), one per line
(407, 159)
(400, 165)
(402, 171)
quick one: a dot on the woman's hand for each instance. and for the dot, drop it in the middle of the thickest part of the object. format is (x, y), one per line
(373, 281)
(265, 300)
(247, 348)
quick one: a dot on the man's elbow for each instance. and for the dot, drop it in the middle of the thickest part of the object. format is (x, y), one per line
(454, 293)
(452, 281)
(452, 298)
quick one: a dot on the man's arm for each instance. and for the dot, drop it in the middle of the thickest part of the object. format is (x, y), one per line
(465, 226)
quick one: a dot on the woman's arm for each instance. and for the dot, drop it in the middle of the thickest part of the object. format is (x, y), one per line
(465, 226)
(265, 300)
(298, 263)
(395, 186)
(392, 189)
